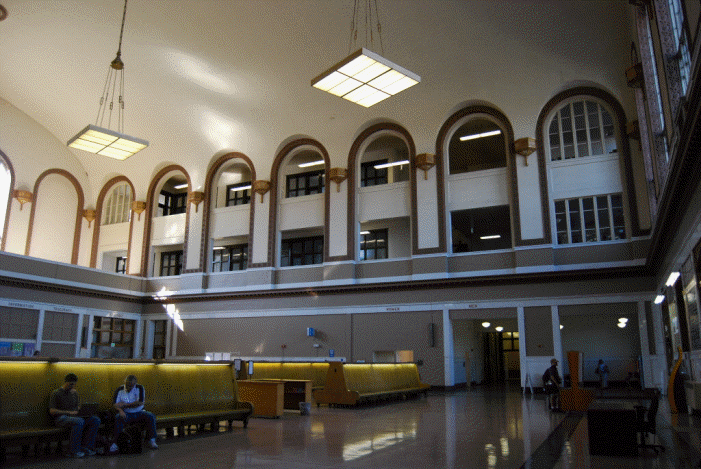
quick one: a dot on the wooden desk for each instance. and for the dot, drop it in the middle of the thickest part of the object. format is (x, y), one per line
(267, 397)
(295, 391)
(612, 428)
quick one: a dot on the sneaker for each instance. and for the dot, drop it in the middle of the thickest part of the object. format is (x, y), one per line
(152, 443)
(78, 454)
(114, 448)
(89, 452)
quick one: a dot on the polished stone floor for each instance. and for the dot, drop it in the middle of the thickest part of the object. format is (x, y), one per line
(472, 428)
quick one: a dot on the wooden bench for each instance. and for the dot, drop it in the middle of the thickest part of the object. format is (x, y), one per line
(350, 384)
(179, 394)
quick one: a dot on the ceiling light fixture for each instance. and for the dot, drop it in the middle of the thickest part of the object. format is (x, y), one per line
(480, 135)
(499, 328)
(672, 279)
(486, 324)
(659, 299)
(311, 163)
(365, 77)
(490, 237)
(105, 141)
(180, 186)
(389, 165)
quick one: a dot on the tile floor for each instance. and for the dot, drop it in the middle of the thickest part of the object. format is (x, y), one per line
(472, 428)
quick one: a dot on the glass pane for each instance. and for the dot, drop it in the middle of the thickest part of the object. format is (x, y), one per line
(516, 344)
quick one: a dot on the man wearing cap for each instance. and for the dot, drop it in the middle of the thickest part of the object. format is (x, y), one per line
(552, 381)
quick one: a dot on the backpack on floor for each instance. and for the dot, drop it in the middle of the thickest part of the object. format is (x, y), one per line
(129, 440)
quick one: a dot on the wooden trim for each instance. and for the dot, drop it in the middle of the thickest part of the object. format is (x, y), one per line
(148, 213)
(272, 216)
(6, 221)
(78, 211)
(98, 218)
(623, 152)
(206, 211)
(373, 132)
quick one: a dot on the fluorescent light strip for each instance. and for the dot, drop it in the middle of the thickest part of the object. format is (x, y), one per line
(389, 165)
(365, 78)
(490, 237)
(180, 186)
(311, 163)
(242, 188)
(659, 299)
(672, 279)
(481, 135)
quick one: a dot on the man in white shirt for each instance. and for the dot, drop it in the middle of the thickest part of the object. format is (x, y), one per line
(129, 401)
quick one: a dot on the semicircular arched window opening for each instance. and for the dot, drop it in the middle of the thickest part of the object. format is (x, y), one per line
(384, 161)
(476, 145)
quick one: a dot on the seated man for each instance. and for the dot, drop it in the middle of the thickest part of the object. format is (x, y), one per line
(129, 401)
(63, 407)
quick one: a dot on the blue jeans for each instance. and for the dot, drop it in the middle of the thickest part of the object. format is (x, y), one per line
(142, 416)
(83, 431)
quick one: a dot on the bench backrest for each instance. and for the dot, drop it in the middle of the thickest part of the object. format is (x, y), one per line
(170, 388)
(314, 372)
(381, 377)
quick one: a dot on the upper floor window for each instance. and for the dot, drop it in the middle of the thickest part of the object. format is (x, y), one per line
(118, 206)
(302, 251)
(681, 42)
(370, 175)
(579, 129)
(171, 263)
(121, 265)
(228, 258)
(476, 145)
(373, 244)
(238, 194)
(171, 204)
(590, 219)
(305, 183)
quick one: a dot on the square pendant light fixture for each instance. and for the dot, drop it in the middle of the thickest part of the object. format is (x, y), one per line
(105, 141)
(365, 78)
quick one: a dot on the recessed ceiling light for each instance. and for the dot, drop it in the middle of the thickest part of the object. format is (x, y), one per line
(671, 280)
(486, 324)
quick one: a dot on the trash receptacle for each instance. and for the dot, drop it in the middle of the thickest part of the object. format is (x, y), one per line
(305, 408)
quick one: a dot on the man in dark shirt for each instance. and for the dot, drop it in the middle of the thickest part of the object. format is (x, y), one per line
(552, 381)
(63, 407)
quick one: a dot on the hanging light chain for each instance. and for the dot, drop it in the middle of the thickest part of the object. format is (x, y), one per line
(369, 26)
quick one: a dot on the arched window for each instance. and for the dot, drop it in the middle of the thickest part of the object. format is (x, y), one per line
(118, 206)
(579, 129)
(587, 195)
(5, 185)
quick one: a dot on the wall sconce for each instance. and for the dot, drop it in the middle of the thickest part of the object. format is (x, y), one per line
(261, 187)
(195, 198)
(89, 215)
(634, 76)
(338, 175)
(425, 161)
(22, 197)
(138, 207)
(524, 147)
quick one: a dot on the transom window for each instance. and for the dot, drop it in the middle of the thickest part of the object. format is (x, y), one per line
(238, 194)
(302, 251)
(590, 219)
(371, 176)
(118, 206)
(305, 183)
(373, 244)
(171, 263)
(228, 258)
(580, 129)
(171, 204)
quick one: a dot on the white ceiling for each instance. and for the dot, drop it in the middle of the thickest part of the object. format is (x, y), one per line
(206, 77)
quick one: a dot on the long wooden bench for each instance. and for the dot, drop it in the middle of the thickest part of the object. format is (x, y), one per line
(179, 394)
(350, 384)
